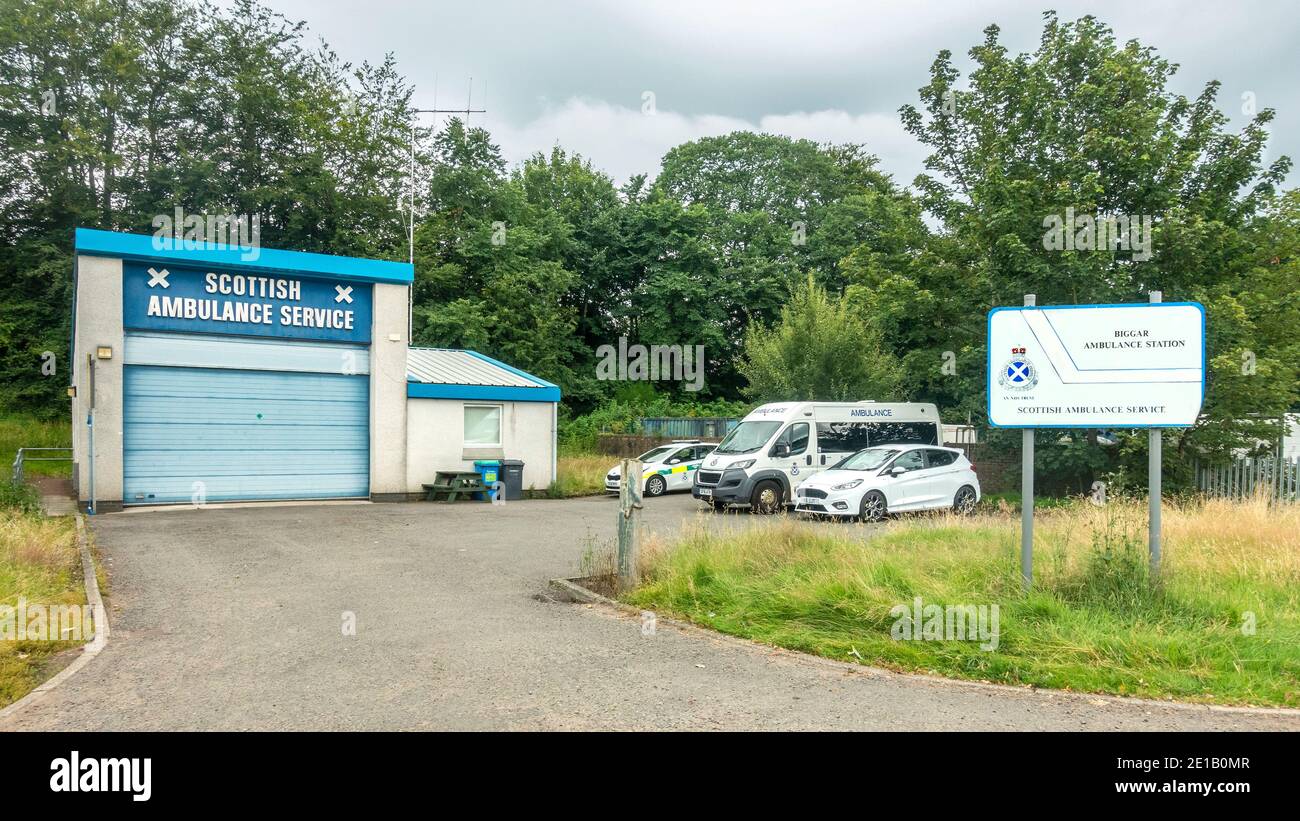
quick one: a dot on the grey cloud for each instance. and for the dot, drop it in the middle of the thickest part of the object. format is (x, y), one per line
(747, 61)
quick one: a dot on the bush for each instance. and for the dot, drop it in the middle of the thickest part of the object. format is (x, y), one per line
(580, 434)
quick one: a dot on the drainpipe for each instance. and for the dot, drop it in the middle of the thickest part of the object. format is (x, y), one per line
(90, 432)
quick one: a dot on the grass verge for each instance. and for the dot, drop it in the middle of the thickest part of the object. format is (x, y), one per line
(1223, 626)
(580, 474)
(39, 563)
(18, 431)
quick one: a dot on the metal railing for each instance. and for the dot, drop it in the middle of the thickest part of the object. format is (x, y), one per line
(1245, 477)
(22, 457)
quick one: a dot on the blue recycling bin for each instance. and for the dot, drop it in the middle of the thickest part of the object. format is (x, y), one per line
(490, 471)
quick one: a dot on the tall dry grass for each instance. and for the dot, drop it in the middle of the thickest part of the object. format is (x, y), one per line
(39, 559)
(1222, 625)
(39, 563)
(581, 475)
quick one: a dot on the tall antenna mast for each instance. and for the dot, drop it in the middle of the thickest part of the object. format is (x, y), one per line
(467, 110)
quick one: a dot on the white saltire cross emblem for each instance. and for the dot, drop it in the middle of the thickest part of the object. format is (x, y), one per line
(345, 294)
(159, 278)
(1019, 371)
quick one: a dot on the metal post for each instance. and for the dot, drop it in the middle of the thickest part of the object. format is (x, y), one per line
(1027, 495)
(629, 522)
(410, 237)
(410, 289)
(1154, 443)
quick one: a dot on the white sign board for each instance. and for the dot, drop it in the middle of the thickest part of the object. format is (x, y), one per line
(1096, 366)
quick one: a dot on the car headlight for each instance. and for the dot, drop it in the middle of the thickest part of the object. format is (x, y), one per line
(848, 485)
(745, 465)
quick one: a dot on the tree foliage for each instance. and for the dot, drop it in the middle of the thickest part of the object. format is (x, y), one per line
(1089, 124)
(801, 268)
(820, 350)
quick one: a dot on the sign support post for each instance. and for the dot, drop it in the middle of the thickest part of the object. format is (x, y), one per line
(1155, 442)
(1027, 495)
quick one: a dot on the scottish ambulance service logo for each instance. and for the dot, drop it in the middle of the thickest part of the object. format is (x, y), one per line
(1019, 374)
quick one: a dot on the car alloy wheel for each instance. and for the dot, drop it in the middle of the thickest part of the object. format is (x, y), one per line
(873, 506)
(964, 502)
(656, 486)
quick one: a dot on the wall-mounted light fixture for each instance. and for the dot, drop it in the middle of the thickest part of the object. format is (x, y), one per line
(103, 352)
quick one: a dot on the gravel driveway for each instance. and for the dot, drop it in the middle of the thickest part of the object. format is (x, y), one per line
(232, 618)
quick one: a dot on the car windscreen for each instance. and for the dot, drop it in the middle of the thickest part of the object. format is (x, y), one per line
(747, 437)
(869, 459)
(654, 454)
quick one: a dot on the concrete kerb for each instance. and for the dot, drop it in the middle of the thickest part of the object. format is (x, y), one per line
(93, 647)
(569, 590)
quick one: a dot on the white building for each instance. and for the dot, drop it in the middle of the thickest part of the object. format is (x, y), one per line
(214, 374)
(463, 406)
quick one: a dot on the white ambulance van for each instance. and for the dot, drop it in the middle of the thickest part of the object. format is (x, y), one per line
(777, 446)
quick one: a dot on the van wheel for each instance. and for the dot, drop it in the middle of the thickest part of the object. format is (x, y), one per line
(767, 497)
(963, 503)
(656, 486)
(873, 507)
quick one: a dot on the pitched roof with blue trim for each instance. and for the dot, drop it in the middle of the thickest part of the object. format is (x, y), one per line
(445, 373)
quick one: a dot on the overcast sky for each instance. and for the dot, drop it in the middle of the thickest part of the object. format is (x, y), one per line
(576, 72)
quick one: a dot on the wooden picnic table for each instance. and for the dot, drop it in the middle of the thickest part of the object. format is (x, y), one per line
(453, 484)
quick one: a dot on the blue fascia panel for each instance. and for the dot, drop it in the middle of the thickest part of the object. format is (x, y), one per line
(146, 248)
(494, 393)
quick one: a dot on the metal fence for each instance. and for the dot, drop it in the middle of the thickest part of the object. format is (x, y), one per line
(26, 455)
(1245, 477)
(686, 427)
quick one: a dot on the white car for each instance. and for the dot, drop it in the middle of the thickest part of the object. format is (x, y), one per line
(888, 479)
(667, 467)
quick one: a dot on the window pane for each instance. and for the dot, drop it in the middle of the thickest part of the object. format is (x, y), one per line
(941, 458)
(842, 437)
(912, 460)
(798, 438)
(903, 433)
(482, 425)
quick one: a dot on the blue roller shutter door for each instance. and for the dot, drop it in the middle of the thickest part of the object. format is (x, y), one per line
(244, 435)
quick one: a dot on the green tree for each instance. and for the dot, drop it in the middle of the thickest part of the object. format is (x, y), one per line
(490, 263)
(819, 350)
(112, 113)
(1089, 124)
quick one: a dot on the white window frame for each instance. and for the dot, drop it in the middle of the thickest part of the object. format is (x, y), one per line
(501, 419)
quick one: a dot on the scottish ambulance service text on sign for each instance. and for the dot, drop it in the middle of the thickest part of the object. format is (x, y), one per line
(1096, 366)
(194, 300)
